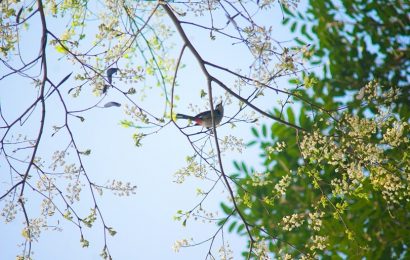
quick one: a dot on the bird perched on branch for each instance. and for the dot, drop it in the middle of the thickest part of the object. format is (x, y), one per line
(205, 119)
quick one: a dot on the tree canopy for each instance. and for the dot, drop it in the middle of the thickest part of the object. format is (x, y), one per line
(340, 190)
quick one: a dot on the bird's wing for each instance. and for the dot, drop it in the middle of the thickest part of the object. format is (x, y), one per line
(203, 114)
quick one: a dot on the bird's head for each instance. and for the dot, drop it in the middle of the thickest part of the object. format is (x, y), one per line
(219, 107)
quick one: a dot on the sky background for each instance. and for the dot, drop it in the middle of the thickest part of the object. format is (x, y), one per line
(144, 221)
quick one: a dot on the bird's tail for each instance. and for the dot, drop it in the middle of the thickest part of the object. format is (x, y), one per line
(182, 116)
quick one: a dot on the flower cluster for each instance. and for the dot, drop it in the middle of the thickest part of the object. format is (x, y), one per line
(282, 185)
(315, 220)
(363, 151)
(180, 243)
(233, 143)
(394, 135)
(278, 147)
(259, 179)
(318, 242)
(291, 222)
(261, 250)
(225, 252)
(192, 169)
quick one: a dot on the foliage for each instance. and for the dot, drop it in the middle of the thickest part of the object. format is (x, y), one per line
(355, 42)
(349, 196)
(342, 188)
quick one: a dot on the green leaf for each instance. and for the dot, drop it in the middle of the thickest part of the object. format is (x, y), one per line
(126, 123)
(227, 210)
(26, 233)
(202, 93)
(240, 228)
(287, 11)
(300, 42)
(316, 62)
(236, 165)
(291, 115)
(221, 222)
(303, 29)
(244, 168)
(294, 81)
(251, 143)
(60, 49)
(293, 27)
(234, 176)
(232, 226)
(302, 118)
(264, 130)
(254, 132)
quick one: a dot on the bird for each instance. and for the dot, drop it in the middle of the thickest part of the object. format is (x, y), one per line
(204, 118)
